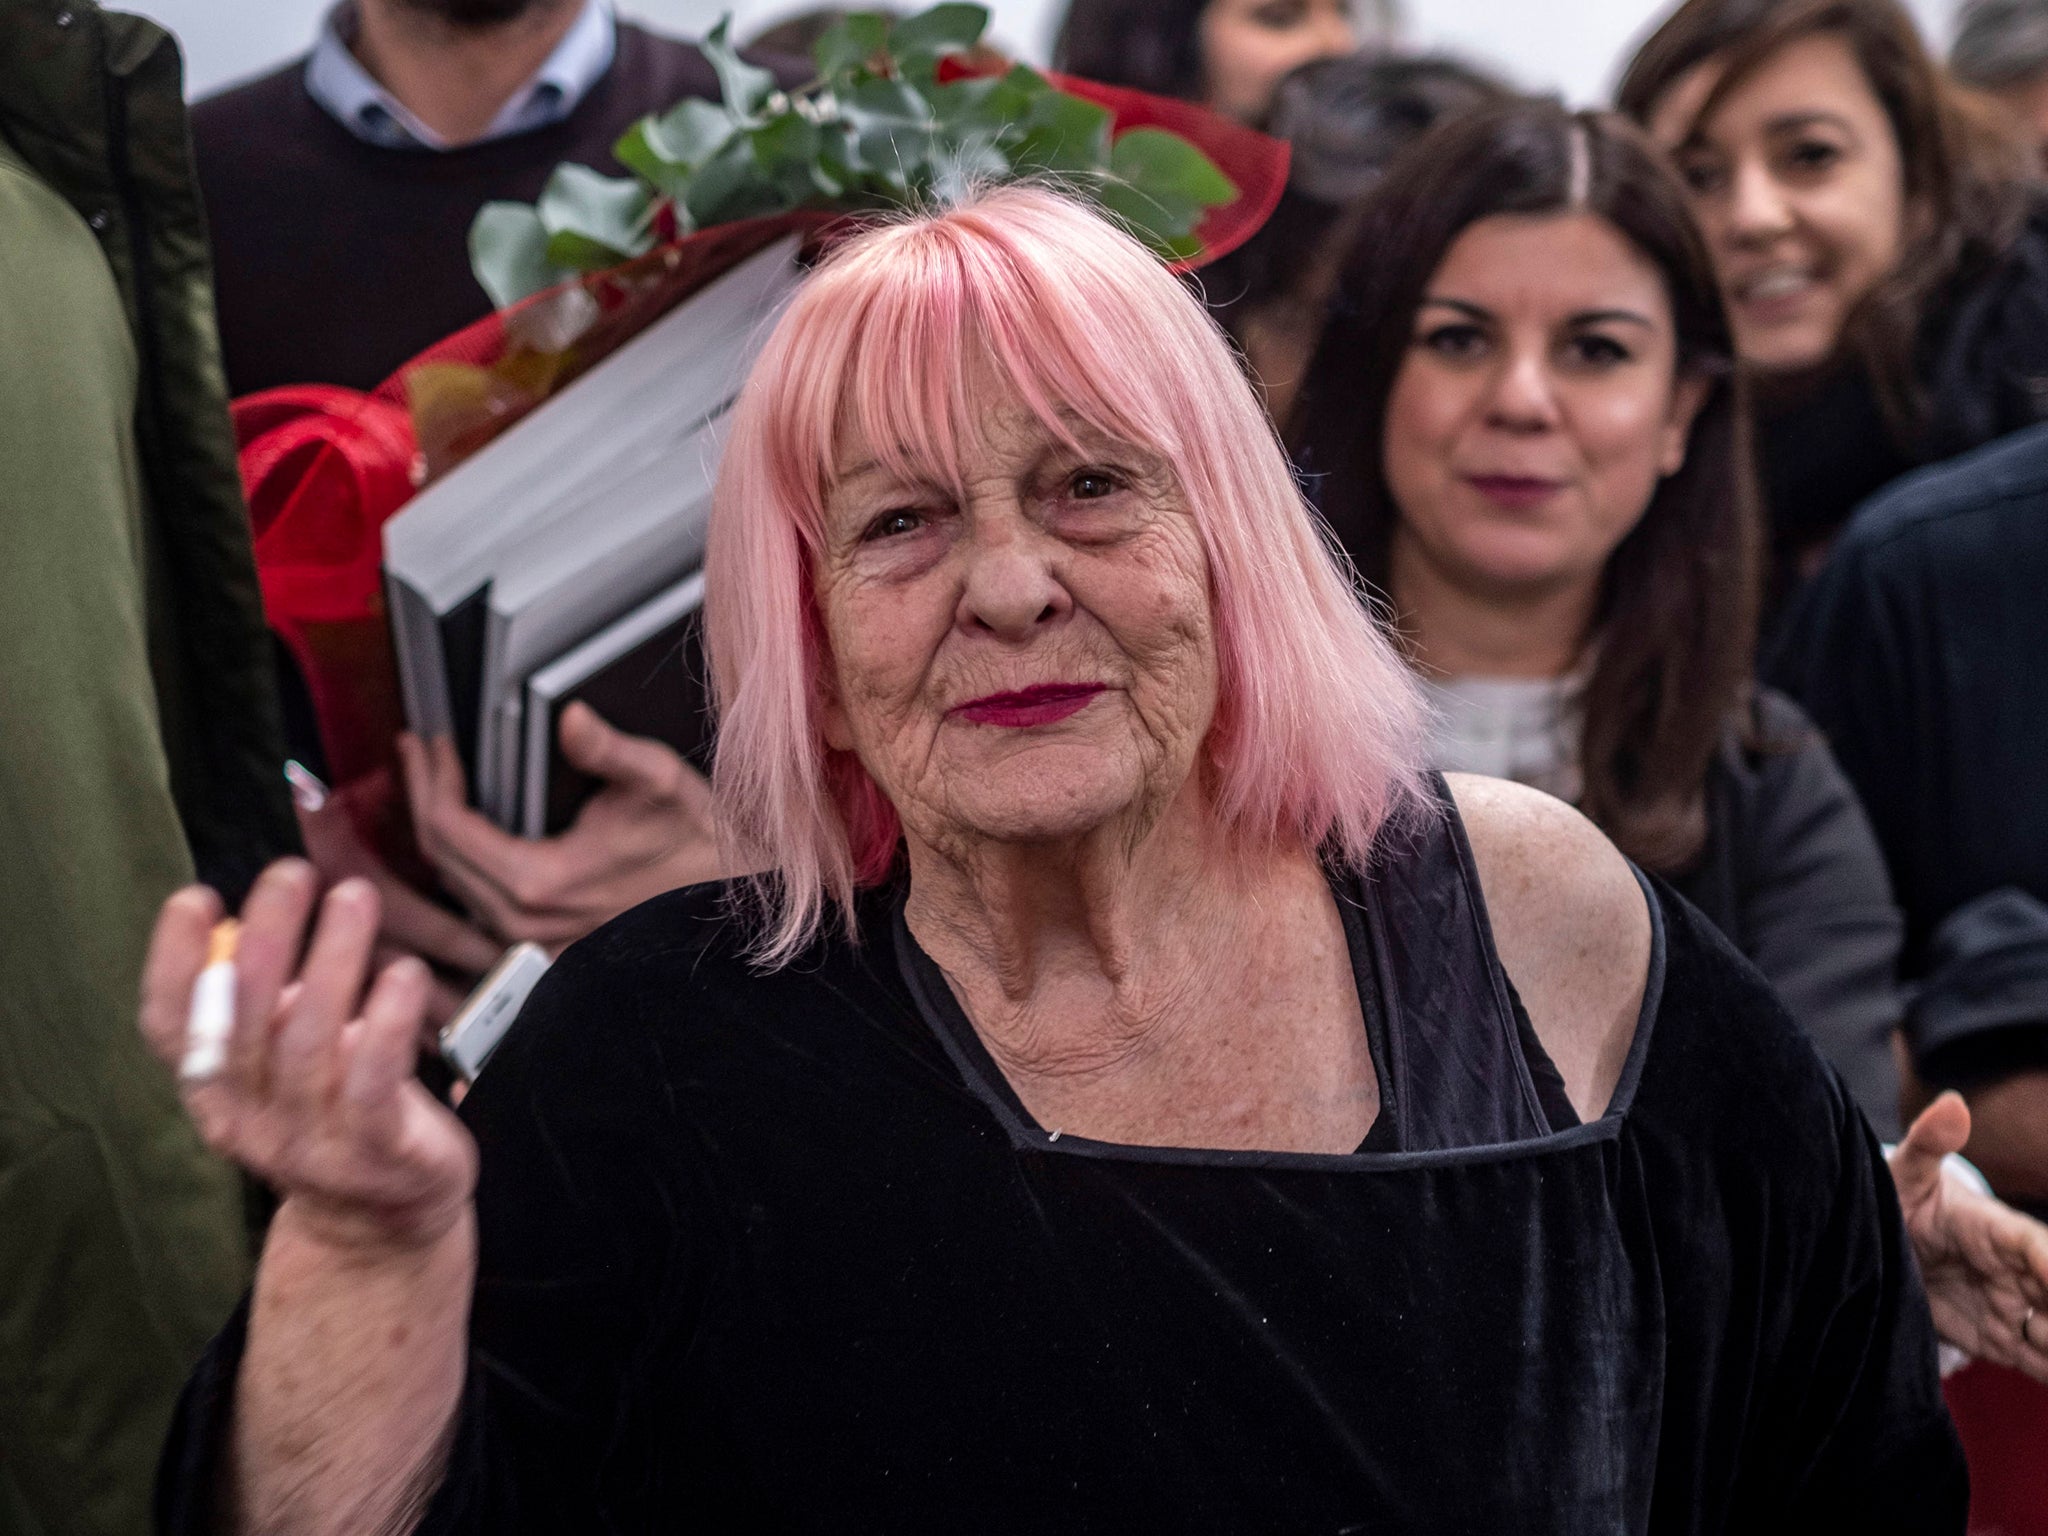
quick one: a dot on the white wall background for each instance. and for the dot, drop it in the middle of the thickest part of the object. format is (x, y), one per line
(1573, 46)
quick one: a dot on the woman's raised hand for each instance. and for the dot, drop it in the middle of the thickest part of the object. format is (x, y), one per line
(357, 1342)
(1985, 1264)
(316, 1094)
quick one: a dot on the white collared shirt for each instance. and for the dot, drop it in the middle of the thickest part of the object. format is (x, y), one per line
(336, 79)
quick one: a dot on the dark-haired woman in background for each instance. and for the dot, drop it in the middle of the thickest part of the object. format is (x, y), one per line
(1885, 270)
(1227, 54)
(1549, 480)
(1345, 120)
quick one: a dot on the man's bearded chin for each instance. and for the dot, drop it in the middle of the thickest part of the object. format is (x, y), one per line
(478, 15)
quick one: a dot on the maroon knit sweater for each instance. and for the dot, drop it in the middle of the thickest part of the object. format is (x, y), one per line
(337, 260)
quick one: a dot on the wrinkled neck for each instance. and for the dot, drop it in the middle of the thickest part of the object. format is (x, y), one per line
(1071, 957)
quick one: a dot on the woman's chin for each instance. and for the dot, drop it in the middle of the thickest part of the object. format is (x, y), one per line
(1787, 352)
(1048, 825)
(1526, 566)
(1042, 806)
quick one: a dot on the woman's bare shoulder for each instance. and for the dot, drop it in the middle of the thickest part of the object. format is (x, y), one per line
(1570, 922)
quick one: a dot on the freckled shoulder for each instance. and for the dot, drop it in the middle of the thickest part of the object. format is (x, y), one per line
(1571, 925)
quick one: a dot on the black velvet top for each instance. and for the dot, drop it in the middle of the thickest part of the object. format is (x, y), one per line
(784, 1253)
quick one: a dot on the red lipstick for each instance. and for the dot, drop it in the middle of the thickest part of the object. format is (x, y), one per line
(1045, 704)
(1515, 492)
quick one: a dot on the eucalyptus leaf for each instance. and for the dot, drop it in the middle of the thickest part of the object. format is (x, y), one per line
(993, 103)
(839, 155)
(636, 152)
(786, 152)
(883, 98)
(1163, 220)
(1064, 134)
(942, 29)
(691, 131)
(745, 87)
(959, 103)
(826, 182)
(877, 129)
(591, 214)
(1167, 164)
(1175, 247)
(731, 186)
(571, 251)
(852, 40)
(508, 252)
(894, 129)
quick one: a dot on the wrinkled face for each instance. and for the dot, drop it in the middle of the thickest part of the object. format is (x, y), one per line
(1537, 408)
(1248, 46)
(1798, 183)
(1031, 661)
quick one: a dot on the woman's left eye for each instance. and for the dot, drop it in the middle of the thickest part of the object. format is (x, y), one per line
(1595, 351)
(1812, 155)
(1456, 342)
(1281, 15)
(893, 524)
(1092, 485)
(1700, 176)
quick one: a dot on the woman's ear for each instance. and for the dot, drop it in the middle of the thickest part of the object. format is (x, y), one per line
(832, 718)
(1688, 396)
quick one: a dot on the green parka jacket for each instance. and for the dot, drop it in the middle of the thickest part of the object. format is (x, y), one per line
(139, 732)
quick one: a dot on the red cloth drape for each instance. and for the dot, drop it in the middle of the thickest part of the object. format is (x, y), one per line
(2003, 1418)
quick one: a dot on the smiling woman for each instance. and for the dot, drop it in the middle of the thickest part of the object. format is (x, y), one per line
(1000, 435)
(1558, 423)
(1527, 417)
(1884, 265)
(1549, 480)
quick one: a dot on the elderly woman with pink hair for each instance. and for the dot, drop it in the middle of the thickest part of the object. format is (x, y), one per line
(1130, 1097)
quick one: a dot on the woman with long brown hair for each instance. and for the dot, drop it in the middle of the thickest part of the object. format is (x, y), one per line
(1525, 426)
(1884, 264)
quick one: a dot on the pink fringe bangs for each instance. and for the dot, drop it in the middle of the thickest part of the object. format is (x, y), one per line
(1318, 729)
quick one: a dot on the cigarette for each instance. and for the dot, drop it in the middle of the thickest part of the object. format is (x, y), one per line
(213, 1007)
(307, 790)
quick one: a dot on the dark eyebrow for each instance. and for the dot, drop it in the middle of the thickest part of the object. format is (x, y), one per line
(1583, 317)
(1613, 317)
(1697, 139)
(1462, 306)
(1792, 122)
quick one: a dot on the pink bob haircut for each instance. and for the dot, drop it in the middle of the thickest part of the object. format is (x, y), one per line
(1318, 726)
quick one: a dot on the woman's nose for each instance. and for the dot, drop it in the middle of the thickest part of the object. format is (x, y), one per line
(1012, 587)
(1523, 398)
(1757, 207)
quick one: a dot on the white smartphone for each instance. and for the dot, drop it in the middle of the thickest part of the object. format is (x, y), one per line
(468, 1039)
